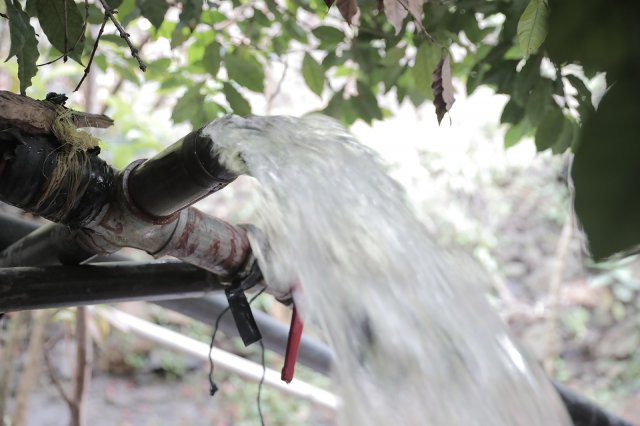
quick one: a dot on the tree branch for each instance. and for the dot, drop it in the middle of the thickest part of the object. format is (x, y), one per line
(35, 117)
(93, 53)
(124, 35)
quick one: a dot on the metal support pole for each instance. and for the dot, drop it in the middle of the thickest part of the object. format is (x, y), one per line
(23, 288)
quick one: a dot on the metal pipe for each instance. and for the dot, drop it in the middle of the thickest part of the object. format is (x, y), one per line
(27, 164)
(50, 244)
(12, 229)
(23, 288)
(584, 412)
(314, 354)
(189, 235)
(179, 176)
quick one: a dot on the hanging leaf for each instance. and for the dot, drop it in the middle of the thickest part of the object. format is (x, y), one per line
(190, 107)
(313, 74)
(395, 13)
(237, 102)
(24, 45)
(427, 58)
(550, 129)
(348, 9)
(414, 8)
(51, 15)
(245, 69)
(154, 10)
(442, 87)
(211, 58)
(532, 26)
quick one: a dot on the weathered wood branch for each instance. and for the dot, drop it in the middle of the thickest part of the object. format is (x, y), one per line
(35, 117)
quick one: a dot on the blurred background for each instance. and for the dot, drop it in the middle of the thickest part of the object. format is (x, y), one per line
(509, 208)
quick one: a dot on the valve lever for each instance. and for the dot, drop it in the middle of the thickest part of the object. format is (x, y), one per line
(293, 345)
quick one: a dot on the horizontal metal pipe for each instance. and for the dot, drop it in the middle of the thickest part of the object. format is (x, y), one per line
(179, 176)
(313, 354)
(13, 228)
(23, 288)
(50, 244)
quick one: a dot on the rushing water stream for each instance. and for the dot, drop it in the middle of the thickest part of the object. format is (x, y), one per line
(415, 340)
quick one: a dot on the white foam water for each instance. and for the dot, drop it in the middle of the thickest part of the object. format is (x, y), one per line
(415, 339)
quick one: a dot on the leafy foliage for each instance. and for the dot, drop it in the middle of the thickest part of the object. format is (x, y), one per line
(359, 56)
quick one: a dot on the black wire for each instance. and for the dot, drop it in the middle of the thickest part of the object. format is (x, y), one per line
(213, 388)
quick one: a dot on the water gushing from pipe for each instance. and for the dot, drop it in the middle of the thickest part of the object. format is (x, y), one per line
(415, 340)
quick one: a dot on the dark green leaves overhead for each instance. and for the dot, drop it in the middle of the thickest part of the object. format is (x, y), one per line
(556, 131)
(532, 26)
(606, 172)
(154, 10)
(190, 107)
(66, 36)
(329, 36)
(24, 45)
(245, 69)
(236, 101)
(313, 74)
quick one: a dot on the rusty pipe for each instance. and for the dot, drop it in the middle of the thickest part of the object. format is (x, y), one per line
(145, 206)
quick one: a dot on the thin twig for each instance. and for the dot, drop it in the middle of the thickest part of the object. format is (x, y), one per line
(55, 380)
(66, 31)
(4, 16)
(275, 93)
(93, 52)
(555, 283)
(51, 61)
(124, 35)
(82, 374)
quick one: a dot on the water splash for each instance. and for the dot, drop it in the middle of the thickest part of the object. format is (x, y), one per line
(415, 340)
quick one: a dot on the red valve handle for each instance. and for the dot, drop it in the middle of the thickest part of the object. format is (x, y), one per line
(293, 345)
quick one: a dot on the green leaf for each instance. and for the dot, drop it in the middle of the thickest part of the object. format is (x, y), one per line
(567, 137)
(550, 129)
(539, 101)
(393, 56)
(313, 74)
(245, 69)
(532, 26)
(329, 36)
(191, 10)
(211, 58)
(51, 17)
(526, 79)
(24, 45)
(515, 134)
(237, 102)
(190, 107)
(367, 104)
(512, 113)
(427, 57)
(154, 10)
(606, 172)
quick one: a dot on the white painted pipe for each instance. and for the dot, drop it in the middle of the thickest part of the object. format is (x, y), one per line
(224, 360)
